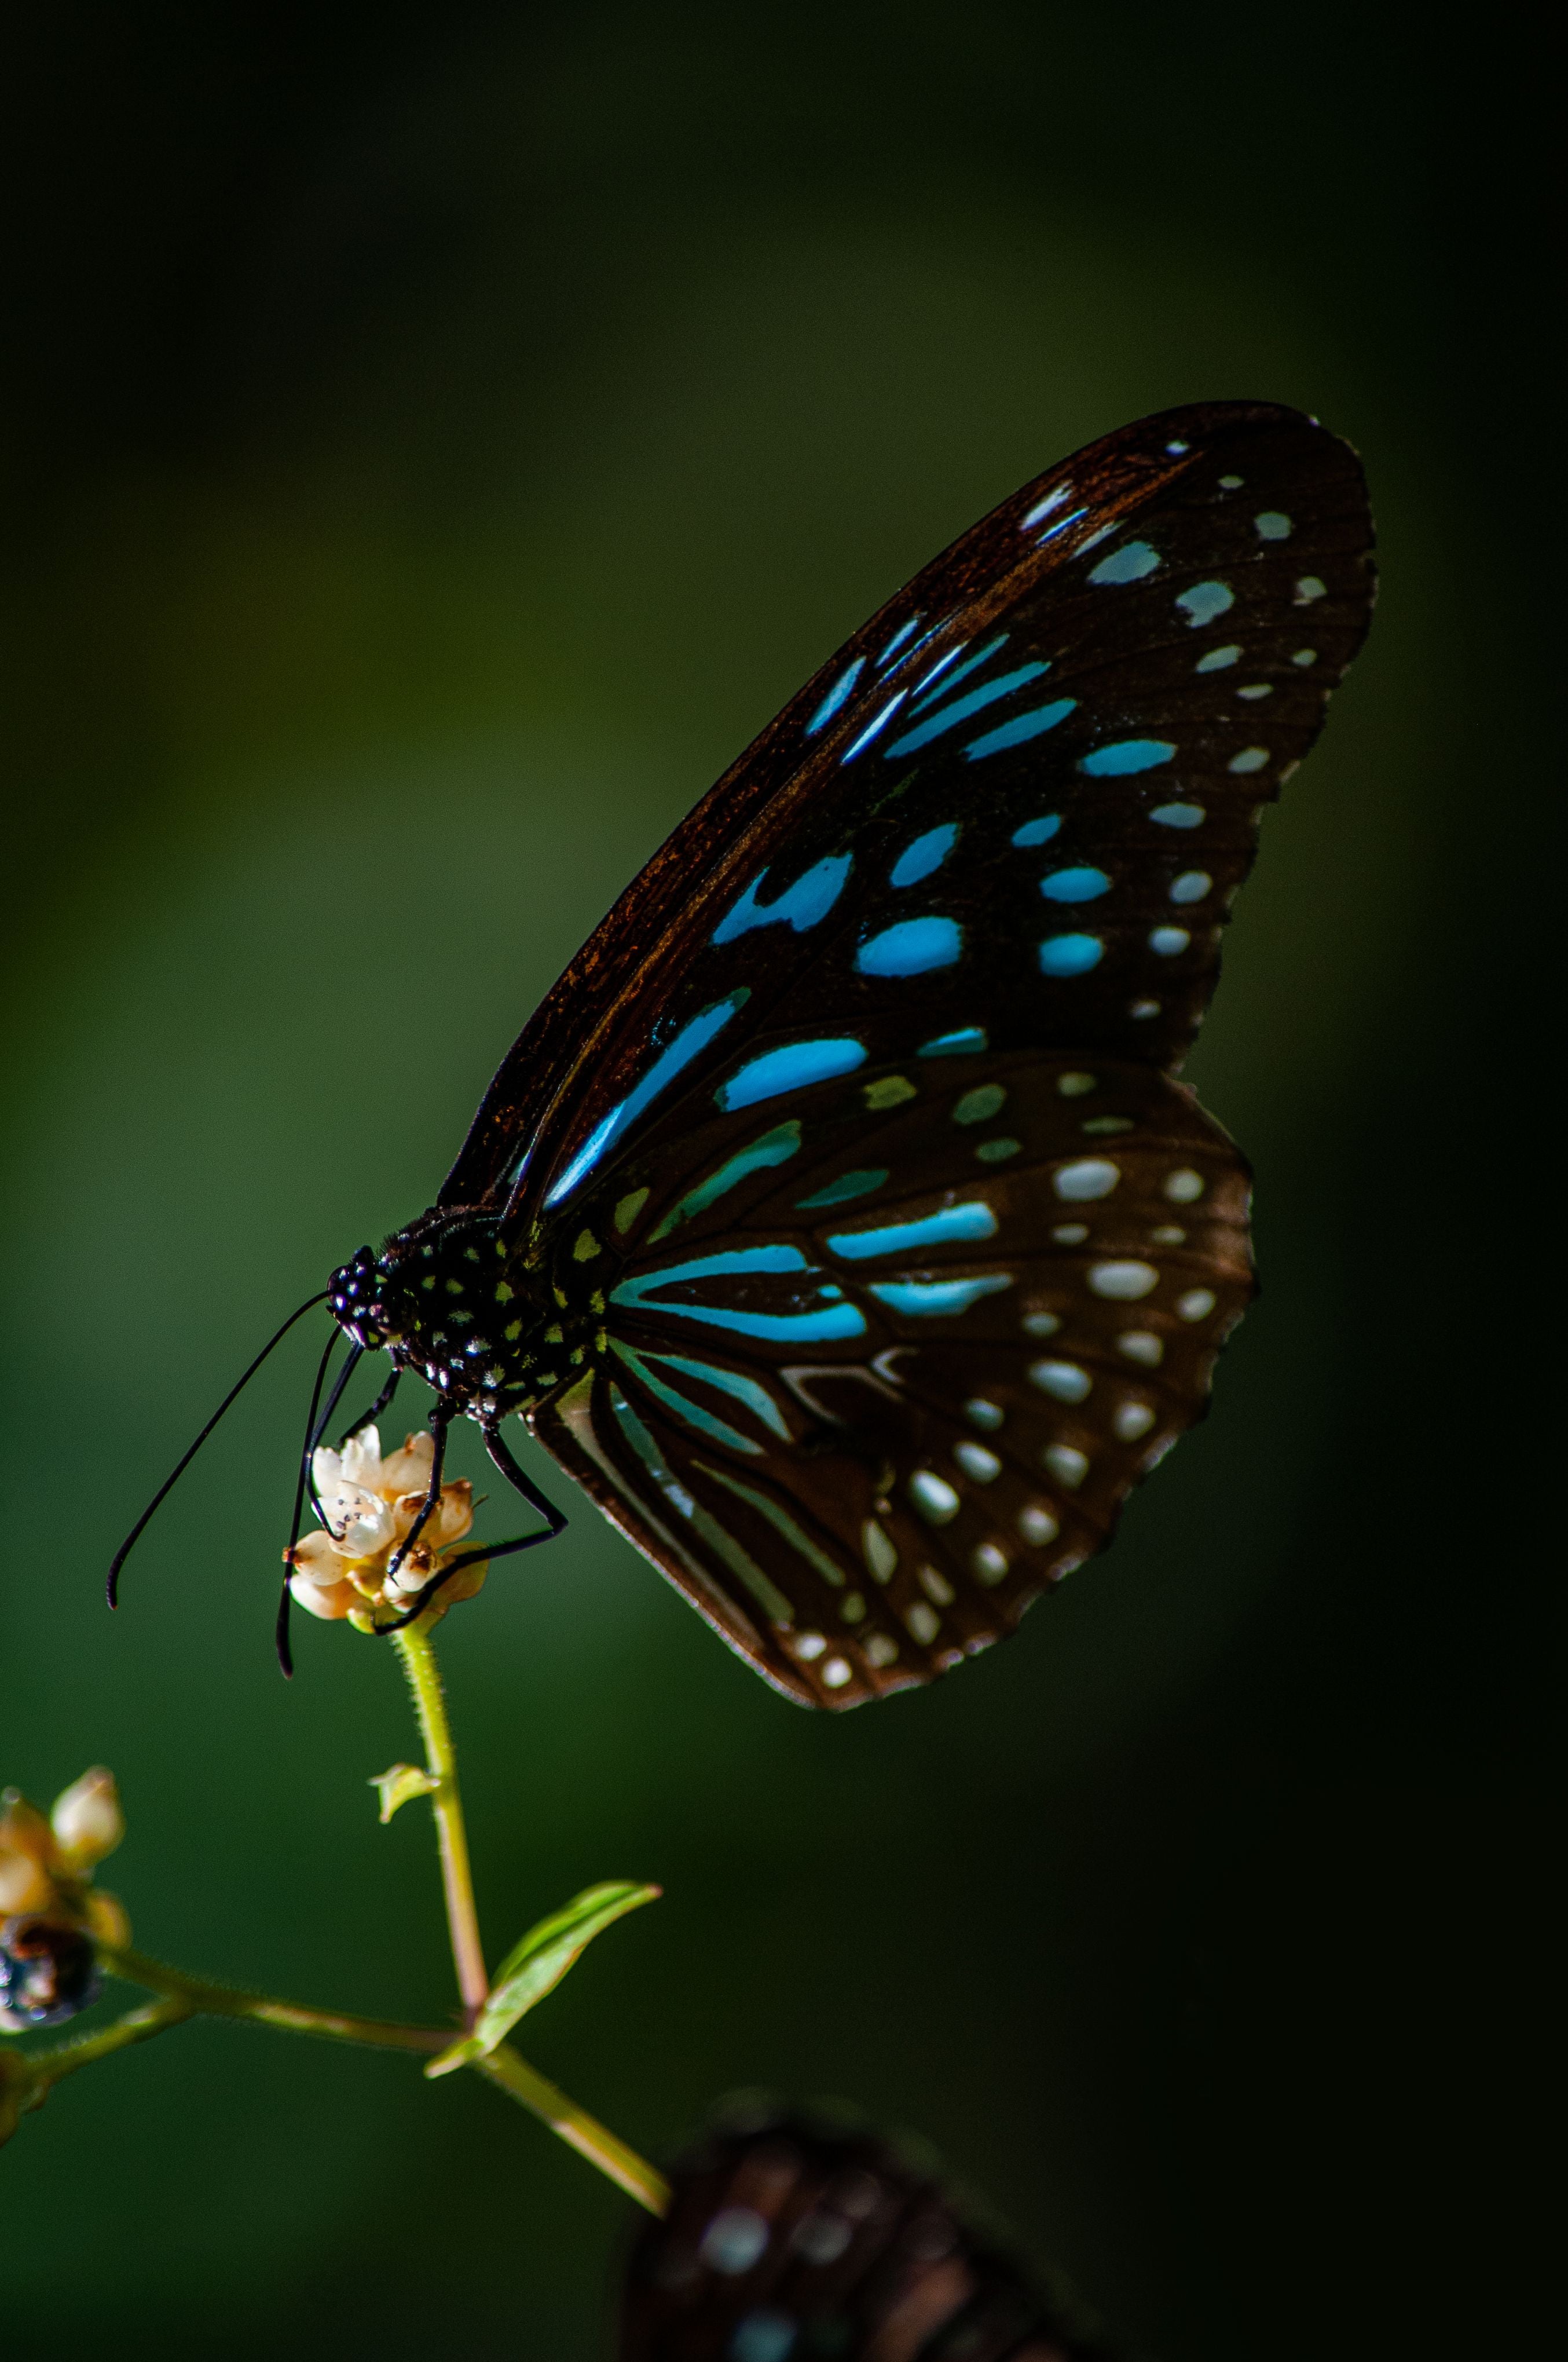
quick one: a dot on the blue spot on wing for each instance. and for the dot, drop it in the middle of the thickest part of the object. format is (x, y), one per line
(800, 906)
(1205, 600)
(940, 667)
(873, 728)
(973, 1221)
(947, 717)
(1074, 885)
(1127, 755)
(957, 1044)
(1128, 564)
(732, 1262)
(913, 947)
(1178, 815)
(813, 1328)
(1037, 832)
(774, 1148)
(648, 1451)
(926, 853)
(826, 1319)
(688, 1044)
(731, 1382)
(897, 640)
(694, 1414)
(926, 1299)
(925, 693)
(1042, 509)
(791, 1068)
(1070, 954)
(1021, 729)
(840, 1192)
(842, 690)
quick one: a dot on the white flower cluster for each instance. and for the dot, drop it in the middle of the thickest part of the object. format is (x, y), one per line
(369, 1505)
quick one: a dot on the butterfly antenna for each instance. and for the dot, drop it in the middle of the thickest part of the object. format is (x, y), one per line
(175, 1474)
(314, 1430)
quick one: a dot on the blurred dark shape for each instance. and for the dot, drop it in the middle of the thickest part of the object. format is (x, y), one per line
(48, 1972)
(791, 2236)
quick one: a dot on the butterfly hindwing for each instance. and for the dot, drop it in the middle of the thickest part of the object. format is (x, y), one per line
(883, 1356)
(1019, 799)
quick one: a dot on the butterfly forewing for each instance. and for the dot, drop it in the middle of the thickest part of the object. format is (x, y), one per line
(789, 2238)
(895, 1253)
(884, 1357)
(1018, 801)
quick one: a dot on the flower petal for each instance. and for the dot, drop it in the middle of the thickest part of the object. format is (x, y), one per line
(330, 1601)
(362, 1460)
(453, 1517)
(408, 1469)
(361, 1523)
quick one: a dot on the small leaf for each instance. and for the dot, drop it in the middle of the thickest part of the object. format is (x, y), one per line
(404, 1781)
(536, 1966)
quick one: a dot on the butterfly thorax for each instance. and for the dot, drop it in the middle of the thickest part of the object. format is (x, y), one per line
(475, 1311)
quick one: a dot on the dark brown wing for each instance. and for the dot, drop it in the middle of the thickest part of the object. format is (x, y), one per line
(790, 2237)
(880, 1370)
(1019, 799)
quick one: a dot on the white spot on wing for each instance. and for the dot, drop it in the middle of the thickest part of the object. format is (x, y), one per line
(933, 1497)
(1068, 1466)
(1125, 1282)
(1086, 1177)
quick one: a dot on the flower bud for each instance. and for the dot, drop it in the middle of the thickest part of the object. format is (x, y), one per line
(27, 1856)
(47, 1972)
(87, 1821)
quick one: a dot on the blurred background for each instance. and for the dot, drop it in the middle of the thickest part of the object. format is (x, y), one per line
(434, 440)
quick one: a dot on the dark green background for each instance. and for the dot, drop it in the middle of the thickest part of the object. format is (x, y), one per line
(434, 441)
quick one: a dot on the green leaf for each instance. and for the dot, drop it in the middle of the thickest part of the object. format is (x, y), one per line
(536, 1966)
(404, 1781)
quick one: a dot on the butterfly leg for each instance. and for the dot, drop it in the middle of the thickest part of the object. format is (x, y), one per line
(440, 1419)
(500, 1452)
(368, 1417)
(557, 1524)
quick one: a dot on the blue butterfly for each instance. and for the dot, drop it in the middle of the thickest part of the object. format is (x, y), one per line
(837, 1220)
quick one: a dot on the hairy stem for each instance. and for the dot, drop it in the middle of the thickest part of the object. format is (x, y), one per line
(440, 1761)
(202, 1997)
(183, 1996)
(40, 2068)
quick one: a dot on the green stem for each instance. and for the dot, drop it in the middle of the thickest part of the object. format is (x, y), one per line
(40, 2068)
(203, 1997)
(577, 2127)
(440, 1761)
(184, 1996)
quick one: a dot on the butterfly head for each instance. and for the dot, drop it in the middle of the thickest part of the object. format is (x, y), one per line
(354, 1294)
